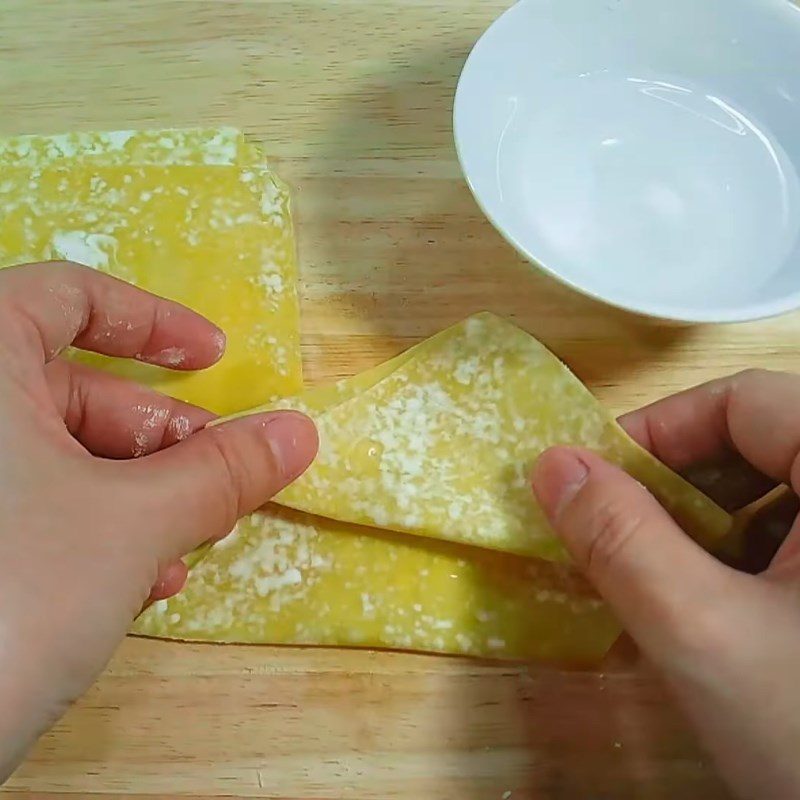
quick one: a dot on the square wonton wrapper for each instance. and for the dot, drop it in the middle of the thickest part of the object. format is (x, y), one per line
(217, 239)
(159, 148)
(283, 577)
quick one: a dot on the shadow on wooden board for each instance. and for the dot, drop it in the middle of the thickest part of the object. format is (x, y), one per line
(414, 252)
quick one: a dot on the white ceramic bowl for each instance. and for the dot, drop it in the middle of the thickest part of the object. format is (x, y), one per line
(645, 152)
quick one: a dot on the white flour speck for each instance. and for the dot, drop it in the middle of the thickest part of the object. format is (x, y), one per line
(168, 357)
(140, 442)
(180, 427)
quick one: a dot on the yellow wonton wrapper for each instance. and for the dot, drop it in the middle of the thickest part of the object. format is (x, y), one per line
(217, 239)
(289, 578)
(440, 442)
(160, 148)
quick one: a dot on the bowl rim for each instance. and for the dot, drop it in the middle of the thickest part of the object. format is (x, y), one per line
(668, 312)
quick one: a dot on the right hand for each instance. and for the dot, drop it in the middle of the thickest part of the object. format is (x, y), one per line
(728, 642)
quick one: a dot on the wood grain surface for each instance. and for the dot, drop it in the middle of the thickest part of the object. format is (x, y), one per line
(353, 99)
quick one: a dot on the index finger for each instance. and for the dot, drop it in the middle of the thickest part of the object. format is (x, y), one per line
(46, 307)
(753, 414)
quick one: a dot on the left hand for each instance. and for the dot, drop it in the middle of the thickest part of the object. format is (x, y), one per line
(87, 533)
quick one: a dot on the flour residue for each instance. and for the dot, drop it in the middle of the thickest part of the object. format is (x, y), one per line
(95, 250)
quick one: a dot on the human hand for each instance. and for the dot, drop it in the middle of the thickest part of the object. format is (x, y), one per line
(87, 534)
(727, 642)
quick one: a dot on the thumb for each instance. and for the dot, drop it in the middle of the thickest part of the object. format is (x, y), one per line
(198, 488)
(662, 586)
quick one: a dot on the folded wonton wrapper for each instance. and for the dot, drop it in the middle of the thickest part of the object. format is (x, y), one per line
(440, 442)
(437, 443)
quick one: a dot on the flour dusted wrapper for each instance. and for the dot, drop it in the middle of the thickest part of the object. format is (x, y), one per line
(441, 441)
(158, 148)
(192, 221)
(437, 443)
(284, 577)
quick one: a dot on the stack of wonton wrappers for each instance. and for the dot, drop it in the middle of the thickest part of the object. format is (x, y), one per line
(415, 528)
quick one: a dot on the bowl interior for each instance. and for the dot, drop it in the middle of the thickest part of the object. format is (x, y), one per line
(644, 152)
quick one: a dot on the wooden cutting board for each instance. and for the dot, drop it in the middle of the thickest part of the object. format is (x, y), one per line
(353, 98)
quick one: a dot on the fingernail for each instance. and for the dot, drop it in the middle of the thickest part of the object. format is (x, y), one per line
(220, 341)
(558, 476)
(292, 438)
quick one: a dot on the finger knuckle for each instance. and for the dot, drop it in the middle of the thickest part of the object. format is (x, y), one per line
(752, 377)
(230, 472)
(147, 330)
(62, 267)
(751, 373)
(57, 273)
(613, 527)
